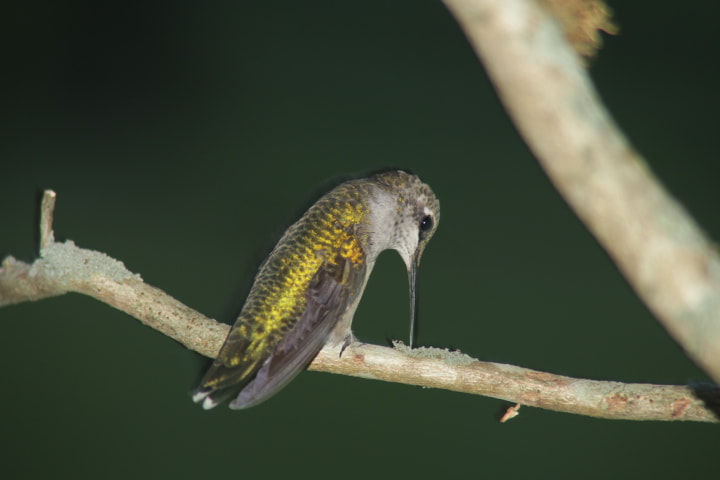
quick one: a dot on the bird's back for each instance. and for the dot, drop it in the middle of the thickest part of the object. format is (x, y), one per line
(298, 295)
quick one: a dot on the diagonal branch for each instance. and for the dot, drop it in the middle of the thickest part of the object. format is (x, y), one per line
(65, 267)
(657, 246)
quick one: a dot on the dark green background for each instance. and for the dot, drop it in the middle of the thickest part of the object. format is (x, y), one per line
(182, 138)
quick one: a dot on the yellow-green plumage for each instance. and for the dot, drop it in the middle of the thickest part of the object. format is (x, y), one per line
(328, 230)
(311, 281)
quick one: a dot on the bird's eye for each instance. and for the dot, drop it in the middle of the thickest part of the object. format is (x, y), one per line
(426, 223)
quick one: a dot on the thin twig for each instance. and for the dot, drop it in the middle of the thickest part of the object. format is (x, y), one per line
(511, 413)
(47, 209)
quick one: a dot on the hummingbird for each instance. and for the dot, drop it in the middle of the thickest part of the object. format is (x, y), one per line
(307, 290)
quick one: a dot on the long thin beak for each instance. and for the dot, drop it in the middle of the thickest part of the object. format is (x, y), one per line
(412, 278)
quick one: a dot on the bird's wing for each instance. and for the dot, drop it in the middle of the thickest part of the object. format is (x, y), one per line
(332, 291)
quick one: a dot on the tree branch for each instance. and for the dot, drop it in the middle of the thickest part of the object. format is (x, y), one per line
(65, 267)
(657, 246)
